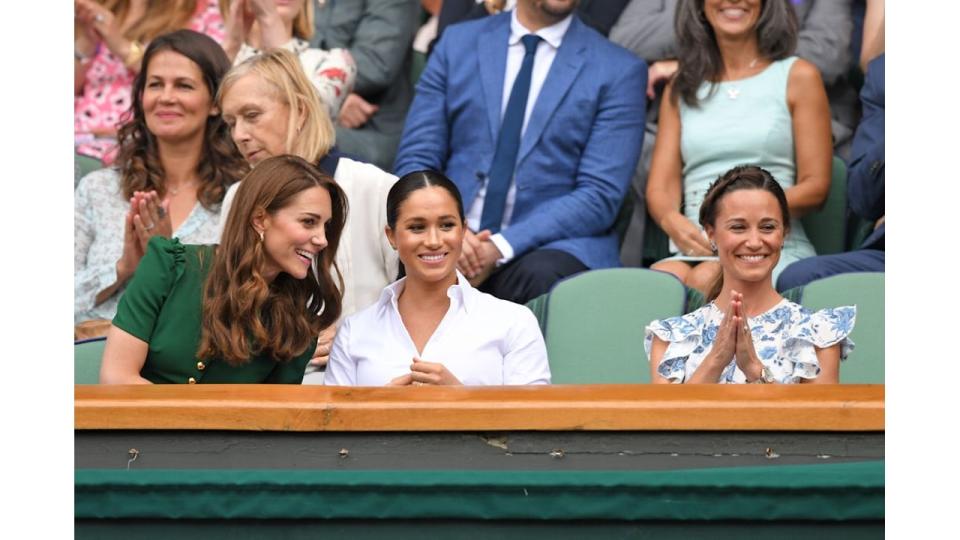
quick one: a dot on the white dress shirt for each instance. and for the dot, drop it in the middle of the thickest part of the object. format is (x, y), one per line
(546, 52)
(481, 340)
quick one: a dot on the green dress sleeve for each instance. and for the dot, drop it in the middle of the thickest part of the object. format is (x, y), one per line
(158, 271)
(292, 372)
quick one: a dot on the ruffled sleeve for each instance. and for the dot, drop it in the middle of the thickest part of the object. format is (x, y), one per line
(158, 271)
(818, 330)
(684, 334)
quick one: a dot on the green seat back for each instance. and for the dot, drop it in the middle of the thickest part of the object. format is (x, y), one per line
(826, 228)
(595, 323)
(864, 290)
(84, 165)
(86, 360)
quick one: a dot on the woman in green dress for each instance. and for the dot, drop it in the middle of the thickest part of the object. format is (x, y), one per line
(248, 310)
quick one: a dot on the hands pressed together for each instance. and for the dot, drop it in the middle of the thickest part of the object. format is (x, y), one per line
(426, 373)
(479, 256)
(735, 339)
(147, 217)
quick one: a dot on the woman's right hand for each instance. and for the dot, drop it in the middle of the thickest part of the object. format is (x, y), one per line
(725, 343)
(101, 22)
(237, 24)
(689, 239)
(132, 250)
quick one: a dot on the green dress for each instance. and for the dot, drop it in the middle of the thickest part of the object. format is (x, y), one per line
(162, 306)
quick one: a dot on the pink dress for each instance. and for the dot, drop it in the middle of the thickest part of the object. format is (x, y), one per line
(106, 98)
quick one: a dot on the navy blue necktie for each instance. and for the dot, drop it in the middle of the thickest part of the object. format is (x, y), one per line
(508, 142)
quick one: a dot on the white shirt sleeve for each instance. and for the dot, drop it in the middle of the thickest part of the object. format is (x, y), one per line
(225, 208)
(526, 360)
(341, 368)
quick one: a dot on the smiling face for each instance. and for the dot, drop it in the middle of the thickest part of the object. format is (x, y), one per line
(294, 235)
(428, 234)
(732, 18)
(176, 101)
(749, 233)
(258, 121)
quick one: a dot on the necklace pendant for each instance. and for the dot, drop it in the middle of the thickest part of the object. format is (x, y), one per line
(733, 93)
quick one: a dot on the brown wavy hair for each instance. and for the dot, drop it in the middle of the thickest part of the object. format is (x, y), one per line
(243, 313)
(699, 55)
(138, 158)
(737, 178)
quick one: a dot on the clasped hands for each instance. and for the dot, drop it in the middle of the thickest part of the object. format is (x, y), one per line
(479, 256)
(147, 217)
(426, 373)
(735, 339)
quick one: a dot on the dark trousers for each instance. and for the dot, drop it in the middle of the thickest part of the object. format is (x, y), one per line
(806, 270)
(531, 275)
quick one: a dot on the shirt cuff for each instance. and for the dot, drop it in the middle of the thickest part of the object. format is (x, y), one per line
(505, 249)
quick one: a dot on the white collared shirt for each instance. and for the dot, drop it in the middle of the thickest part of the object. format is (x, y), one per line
(546, 51)
(481, 340)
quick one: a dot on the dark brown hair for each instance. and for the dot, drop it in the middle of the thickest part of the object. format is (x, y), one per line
(737, 178)
(699, 55)
(414, 181)
(139, 160)
(243, 314)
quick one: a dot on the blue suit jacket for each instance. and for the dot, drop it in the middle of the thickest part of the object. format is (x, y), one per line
(579, 149)
(866, 177)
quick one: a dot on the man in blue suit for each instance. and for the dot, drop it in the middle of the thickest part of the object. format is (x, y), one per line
(866, 181)
(540, 134)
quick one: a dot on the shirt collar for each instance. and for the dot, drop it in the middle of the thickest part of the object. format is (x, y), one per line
(462, 293)
(552, 34)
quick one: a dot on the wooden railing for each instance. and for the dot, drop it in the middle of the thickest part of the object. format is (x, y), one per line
(548, 408)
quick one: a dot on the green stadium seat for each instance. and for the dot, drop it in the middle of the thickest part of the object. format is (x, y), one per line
(826, 228)
(864, 290)
(84, 165)
(87, 355)
(595, 322)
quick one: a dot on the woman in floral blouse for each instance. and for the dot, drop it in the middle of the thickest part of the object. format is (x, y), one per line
(748, 333)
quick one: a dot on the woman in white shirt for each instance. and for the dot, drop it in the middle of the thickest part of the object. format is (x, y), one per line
(432, 327)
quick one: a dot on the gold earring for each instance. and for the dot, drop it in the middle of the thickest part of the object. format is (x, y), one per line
(261, 236)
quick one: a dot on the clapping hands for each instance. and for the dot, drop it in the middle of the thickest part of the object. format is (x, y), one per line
(147, 217)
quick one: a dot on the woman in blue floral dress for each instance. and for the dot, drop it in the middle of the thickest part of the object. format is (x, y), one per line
(748, 333)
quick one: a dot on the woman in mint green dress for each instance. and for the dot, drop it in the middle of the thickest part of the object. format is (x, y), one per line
(248, 310)
(739, 97)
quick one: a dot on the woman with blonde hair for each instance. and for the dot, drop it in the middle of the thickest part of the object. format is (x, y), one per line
(248, 310)
(253, 26)
(110, 39)
(272, 109)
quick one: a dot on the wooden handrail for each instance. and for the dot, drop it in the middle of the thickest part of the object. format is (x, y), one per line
(545, 408)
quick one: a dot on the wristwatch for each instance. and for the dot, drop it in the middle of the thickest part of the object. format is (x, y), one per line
(766, 377)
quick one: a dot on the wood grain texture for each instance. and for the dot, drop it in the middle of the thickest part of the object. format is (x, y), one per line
(546, 408)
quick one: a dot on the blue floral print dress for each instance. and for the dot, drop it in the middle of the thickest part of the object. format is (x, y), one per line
(784, 336)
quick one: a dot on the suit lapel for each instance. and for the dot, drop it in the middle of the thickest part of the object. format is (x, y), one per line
(566, 66)
(492, 48)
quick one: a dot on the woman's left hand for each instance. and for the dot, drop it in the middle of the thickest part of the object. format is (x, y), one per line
(746, 353)
(433, 373)
(324, 343)
(273, 32)
(152, 218)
